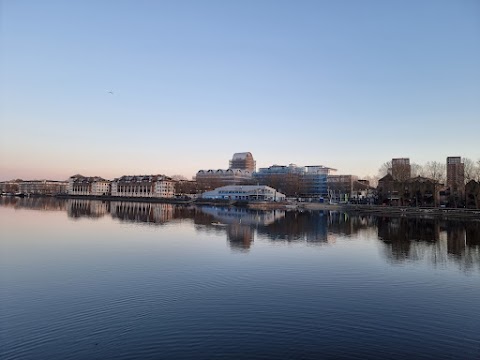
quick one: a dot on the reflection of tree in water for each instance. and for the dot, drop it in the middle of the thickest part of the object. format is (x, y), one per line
(34, 203)
(434, 240)
(297, 226)
(344, 224)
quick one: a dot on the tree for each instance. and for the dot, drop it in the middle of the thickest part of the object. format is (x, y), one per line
(469, 169)
(417, 170)
(477, 171)
(179, 177)
(435, 171)
(372, 180)
(385, 169)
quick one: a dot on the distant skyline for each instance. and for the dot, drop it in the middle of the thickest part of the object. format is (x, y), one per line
(110, 88)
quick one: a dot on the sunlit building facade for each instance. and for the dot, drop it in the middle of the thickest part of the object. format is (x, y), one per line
(88, 186)
(144, 186)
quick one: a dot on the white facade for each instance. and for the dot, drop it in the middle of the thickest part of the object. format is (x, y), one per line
(90, 186)
(245, 192)
(147, 186)
(101, 187)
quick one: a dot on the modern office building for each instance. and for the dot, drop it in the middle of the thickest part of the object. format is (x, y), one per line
(296, 181)
(212, 179)
(239, 172)
(147, 186)
(243, 161)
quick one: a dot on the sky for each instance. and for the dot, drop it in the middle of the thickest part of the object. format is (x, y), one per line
(110, 88)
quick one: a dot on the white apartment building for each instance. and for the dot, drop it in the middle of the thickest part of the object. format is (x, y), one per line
(147, 186)
(92, 186)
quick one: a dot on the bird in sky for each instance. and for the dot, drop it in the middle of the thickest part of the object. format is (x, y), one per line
(110, 92)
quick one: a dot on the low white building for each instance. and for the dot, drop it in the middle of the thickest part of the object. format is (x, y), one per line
(92, 186)
(147, 186)
(244, 192)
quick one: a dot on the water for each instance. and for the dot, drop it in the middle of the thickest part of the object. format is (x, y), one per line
(91, 280)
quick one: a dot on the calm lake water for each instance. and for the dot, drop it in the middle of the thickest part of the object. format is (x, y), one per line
(116, 280)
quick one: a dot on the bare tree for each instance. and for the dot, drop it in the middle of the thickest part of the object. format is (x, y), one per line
(417, 170)
(179, 177)
(385, 169)
(372, 180)
(477, 171)
(435, 171)
(469, 169)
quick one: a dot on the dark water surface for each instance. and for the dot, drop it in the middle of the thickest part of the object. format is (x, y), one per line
(91, 280)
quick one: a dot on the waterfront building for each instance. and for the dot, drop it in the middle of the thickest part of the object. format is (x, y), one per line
(416, 191)
(212, 179)
(243, 161)
(456, 176)
(10, 187)
(401, 169)
(343, 188)
(245, 193)
(43, 187)
(296, 181)
(314, 181)
(89, 186)
(146, 186)
(239, 172)
(186, 188)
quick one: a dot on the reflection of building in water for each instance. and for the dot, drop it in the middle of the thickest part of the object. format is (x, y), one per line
(34, 203)
(434, 240)
(239, 223)
(243, 216)
(77, 208)
(472, 234)
(341, 224)
(298, 226)
(141, 212)
(400, 228)
(456, 239)
(240, 237)
(399, 232)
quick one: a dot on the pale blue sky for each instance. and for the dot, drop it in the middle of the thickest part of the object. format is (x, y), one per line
(346, 84)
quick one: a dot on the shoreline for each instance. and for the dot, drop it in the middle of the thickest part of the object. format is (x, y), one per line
(379, 210)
